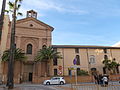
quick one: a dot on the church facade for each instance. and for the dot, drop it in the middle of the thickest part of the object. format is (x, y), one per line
(32, 34)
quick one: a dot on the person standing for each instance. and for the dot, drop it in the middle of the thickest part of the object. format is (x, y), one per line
(96, 79)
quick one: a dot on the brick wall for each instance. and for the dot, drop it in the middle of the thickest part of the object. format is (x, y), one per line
(39, 80)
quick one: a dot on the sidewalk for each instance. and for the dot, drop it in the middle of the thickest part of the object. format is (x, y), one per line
(81, 86)
(36, 87)
(64, 88)
(29, 87)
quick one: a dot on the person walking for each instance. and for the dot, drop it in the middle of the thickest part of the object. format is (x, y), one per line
(100, 79)
(96, 79)
(105, 81)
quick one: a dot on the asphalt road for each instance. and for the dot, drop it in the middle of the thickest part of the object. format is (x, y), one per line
(82, 86)
(32, 87)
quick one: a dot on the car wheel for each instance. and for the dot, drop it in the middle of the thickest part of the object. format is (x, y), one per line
(47, 83)
(61, 83)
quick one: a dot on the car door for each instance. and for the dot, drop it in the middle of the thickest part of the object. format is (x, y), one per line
(54, 81)
(57, 80)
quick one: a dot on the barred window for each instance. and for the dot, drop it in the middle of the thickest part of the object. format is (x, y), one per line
(15, 46)
(55, 49)
(76, 50)
(105, 50)
(55, 61)
(69, 72)
(55, 72)
(78, 59)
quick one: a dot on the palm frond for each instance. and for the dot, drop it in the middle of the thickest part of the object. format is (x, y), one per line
(18, 6)
(6, 11)
(18, 55)
(47, 54)
(11, 5)
(20, 1)
(19, 14)
(11, 11)
(5, 56)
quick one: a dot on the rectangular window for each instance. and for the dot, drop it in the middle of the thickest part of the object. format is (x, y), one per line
(78, 59)
(55, 72)
(105, 50)
(55, 49)
(78, 71)
(55, 61)
(76, 50)
(69, 72)
(15, 46)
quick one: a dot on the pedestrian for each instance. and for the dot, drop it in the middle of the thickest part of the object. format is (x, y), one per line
(105, 81)
(100, 79)
(96, 79)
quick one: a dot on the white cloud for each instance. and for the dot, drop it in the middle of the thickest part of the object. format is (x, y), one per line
(52, 5)
(116, 44)
(93, 7)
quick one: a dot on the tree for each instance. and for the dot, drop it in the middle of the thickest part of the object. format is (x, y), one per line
(18, 55)
(107, 65)
(114, 65)
(46, 55)
(13, 7)
(2, 17)
(110, 65)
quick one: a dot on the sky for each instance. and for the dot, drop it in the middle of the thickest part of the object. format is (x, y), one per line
(78, 22)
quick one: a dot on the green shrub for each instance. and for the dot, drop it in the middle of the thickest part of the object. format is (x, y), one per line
(82, 73)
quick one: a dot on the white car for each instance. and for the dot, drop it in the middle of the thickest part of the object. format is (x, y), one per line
(55, 80)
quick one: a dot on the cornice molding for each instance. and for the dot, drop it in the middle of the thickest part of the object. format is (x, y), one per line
(37, 21)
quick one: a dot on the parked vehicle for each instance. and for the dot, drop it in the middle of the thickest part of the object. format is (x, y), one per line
(55, 80)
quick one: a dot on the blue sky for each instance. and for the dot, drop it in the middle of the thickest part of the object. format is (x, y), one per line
(79, 22)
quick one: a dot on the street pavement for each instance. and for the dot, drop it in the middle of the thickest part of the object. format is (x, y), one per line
(92, 86)
(32, 87)
(81, 86)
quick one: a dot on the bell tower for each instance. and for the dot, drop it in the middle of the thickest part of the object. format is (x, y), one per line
(32, 13)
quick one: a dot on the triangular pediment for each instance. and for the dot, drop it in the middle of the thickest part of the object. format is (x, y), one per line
(32, 23)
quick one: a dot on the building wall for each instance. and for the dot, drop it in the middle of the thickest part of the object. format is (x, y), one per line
(32, 31)
(3, 41)
(4, 34)
(37, 35)
(69, 54)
